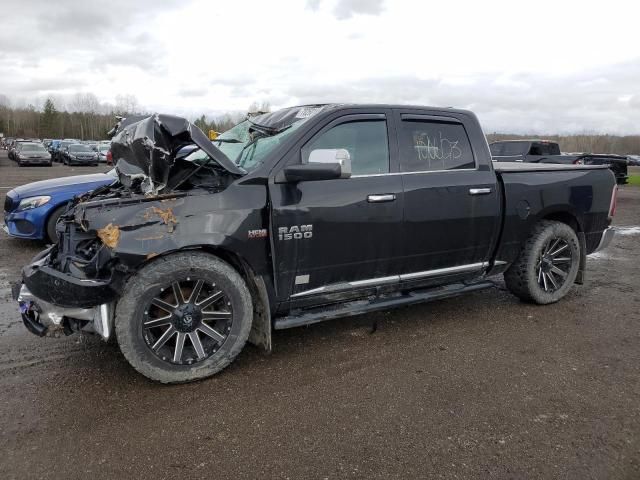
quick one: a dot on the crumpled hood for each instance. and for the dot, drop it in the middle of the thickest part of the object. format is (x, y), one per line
(145, 147)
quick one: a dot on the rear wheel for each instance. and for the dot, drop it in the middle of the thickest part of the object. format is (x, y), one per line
(547, 265)
(183, 317)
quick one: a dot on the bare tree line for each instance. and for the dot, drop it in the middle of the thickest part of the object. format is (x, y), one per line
(84, 117)
(80, 116)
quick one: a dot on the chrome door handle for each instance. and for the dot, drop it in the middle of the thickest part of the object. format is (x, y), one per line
(479, 191)
(381, 197)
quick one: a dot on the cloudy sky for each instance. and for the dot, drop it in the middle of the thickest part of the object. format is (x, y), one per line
(524, 67)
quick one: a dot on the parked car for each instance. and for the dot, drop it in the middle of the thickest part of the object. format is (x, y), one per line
(14, 146)
(103, 150)
(32, 210)
(61, 146)
(79, 154)
(52, 147)
(545, 151)
(29, 153)
(633, 160)
(303, 215)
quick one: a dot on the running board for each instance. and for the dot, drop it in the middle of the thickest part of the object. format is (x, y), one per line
(358, 307)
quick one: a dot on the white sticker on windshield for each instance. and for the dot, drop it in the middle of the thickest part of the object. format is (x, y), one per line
(306, 112)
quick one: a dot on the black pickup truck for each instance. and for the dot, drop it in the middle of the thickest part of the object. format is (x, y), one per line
(298, 216)
(546, 151)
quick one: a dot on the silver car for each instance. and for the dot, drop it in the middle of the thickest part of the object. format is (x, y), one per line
(32, 153)
(103, 148)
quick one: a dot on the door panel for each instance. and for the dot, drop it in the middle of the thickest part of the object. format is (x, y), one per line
(450, 207)
(444, 225)
(348, 228)
(352, 238)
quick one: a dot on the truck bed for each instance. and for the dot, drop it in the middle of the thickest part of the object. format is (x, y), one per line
(535, 191)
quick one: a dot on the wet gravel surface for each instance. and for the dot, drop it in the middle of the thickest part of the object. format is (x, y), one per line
(480, 386)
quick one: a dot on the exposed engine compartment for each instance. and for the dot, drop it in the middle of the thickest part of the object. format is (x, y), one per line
(107, 233)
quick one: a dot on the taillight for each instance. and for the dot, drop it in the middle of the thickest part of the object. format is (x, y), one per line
(614, 202)
(109, 157)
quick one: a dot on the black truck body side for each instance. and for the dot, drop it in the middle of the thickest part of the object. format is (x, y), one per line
(316, 243)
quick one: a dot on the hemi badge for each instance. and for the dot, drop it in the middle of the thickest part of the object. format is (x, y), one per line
(259, 233)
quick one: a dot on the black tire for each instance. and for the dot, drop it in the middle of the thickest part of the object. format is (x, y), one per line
(133, 311)
(50, 227)
(528, 277)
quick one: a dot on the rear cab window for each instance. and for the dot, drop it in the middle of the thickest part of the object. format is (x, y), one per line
(508, 149)
(544, 148)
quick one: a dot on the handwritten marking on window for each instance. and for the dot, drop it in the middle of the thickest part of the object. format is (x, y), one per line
(436, 148)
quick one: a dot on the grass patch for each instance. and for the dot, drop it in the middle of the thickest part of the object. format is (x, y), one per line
(634, 180)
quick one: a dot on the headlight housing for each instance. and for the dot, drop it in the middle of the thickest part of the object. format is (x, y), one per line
(33, 202)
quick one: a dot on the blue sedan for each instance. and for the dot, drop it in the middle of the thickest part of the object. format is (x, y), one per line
(32, 210)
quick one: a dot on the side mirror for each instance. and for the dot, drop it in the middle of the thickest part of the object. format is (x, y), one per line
(333, 155)
(308, 172)
(324, 164)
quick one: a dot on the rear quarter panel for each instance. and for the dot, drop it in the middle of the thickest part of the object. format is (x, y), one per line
(529, 197)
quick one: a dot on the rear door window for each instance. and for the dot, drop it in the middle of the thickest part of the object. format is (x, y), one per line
(427, 145)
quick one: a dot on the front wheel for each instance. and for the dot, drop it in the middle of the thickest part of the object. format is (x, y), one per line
(183, 317)
(50, 225)
(548, 264)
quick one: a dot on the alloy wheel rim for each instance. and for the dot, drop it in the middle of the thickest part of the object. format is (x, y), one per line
(187, 321)
(554, 264)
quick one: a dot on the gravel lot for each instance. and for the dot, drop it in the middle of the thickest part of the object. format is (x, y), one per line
(480, 386)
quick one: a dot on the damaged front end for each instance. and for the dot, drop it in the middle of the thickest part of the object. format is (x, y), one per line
(105, 235)
(42, 318)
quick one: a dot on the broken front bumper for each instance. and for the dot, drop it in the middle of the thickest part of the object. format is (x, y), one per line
(39, 316)
(62, 289)
(48, 298)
